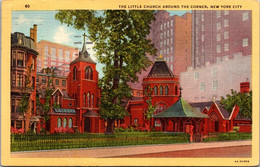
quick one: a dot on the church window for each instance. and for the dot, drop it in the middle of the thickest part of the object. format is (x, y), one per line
(59, 122)
(88, 73)
(166, 90)
(176, 90)
(161, 90)
(74, 73)
(92, 100)
(88, 99)
(84, 100)
(160, 107)
(20, 59)
(70, 123)
(155, 90)
(64, 122)
(135, 121)
(157, 123)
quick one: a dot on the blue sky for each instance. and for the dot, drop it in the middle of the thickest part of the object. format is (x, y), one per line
(52, 30)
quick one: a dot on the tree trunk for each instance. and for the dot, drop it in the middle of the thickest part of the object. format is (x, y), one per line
(110, 126)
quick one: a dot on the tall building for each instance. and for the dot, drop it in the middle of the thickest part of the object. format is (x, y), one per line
(219, 33)
(23, 80)
(171, 36)
(55, 55)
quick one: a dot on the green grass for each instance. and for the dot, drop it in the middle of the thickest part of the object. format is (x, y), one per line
(87, 140)
(228, 136)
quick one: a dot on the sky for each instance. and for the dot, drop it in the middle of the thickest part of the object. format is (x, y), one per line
(50, 29)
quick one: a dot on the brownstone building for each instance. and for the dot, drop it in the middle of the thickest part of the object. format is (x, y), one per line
(23, 57)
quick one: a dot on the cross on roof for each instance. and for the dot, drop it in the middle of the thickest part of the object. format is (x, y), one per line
(84, 36)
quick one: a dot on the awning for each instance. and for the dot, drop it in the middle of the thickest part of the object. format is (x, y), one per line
(90, 113)
(64, 110)
(180, 109)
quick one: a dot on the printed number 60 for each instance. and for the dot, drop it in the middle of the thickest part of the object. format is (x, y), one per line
(27, 6)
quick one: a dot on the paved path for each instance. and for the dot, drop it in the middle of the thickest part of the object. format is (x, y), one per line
(125, 150)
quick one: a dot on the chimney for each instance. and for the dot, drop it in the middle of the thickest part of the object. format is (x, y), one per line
(244, 87)
(33, 34)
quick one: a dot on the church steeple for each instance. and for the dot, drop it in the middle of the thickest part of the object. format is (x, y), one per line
(83, 54)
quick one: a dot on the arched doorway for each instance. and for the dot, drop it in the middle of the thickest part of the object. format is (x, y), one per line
(87, 125)
(214, 122)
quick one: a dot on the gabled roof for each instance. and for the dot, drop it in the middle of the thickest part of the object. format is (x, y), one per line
(90, 113)
(224, 113)
(64, 110)
(201, 105)
(160, 69)
(180, 109)
(84, 56)
(58, 89)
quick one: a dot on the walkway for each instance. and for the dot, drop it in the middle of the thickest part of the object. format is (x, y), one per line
(126, 150)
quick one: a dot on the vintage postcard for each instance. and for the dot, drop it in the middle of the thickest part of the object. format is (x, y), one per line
(130, 83)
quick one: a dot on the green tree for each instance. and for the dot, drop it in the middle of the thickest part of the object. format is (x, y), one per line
(243, 100)
(151, 108)
(121, 44)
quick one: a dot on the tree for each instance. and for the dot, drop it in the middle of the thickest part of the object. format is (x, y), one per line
(151, 108)
(121, 44)
(242, 100)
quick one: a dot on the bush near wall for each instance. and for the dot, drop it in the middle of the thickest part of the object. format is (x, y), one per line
(228, 136)
(28, 142)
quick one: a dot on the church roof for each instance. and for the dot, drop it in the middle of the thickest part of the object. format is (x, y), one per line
(90, 113)
(84, 56)
(180, 109)
(64, 110)
(160, 69)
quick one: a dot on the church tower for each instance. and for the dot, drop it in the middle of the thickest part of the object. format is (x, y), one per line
(83, 87)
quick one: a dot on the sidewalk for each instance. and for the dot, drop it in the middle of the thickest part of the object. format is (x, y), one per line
(125, 150)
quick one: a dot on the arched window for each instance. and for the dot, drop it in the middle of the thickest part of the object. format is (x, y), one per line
(166, 90)
(70, 123)
(64, 122)
(74, 73)
(88, 99)
(84, 100)
(176, 90)
(155, 90)
(92, 100)
(161, 90)
(88, 73)
(135, 121)
(59, 122)
(160, 107)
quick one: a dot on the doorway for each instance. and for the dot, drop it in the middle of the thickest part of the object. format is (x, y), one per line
(87, 125)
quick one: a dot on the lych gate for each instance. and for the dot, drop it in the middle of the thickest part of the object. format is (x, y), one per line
(180, 117)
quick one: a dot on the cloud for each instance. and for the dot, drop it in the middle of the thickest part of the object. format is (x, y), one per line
(62, 35)
(22, 20)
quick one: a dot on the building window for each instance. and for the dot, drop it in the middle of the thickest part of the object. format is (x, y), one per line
(176, 90)
(214, 72)
(64, 122)
(196, 75)
(14, 58)
(215, 85)
(20, 59)
(155, 90)
(161, 43)
(167, 50)
(84, 100)
(160, 52)
(60, 54)
(59, 122)
(202, 86)
(226, 23)
(88, 99)
(161, 90)
(57, 81)
(226, 12)
(53, 53)
(202, 17)
(226, 35)
(161, 35)
(164, 42)
(168, 41)
(160, 107)
(43, 80)
(218, 48)
(70, 122)
(63, 82)
(171, 40)
(135, 121)
(171, 49)
(18, 124)
(166, 90)
(161, 26)
(168, 33)
(171, 67)
(218, 13)
(171, 22)
(37, 79)
(92, 100)
(218, 25)
(171, 31)
(218, 37)
(88, 73)
(226, 47)
(202, 38)
(157, 123)
(74, 73)
(245, 16)
(245, 42)
(19, 80)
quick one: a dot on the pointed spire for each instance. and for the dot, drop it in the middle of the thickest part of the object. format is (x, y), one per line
(84, 47)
